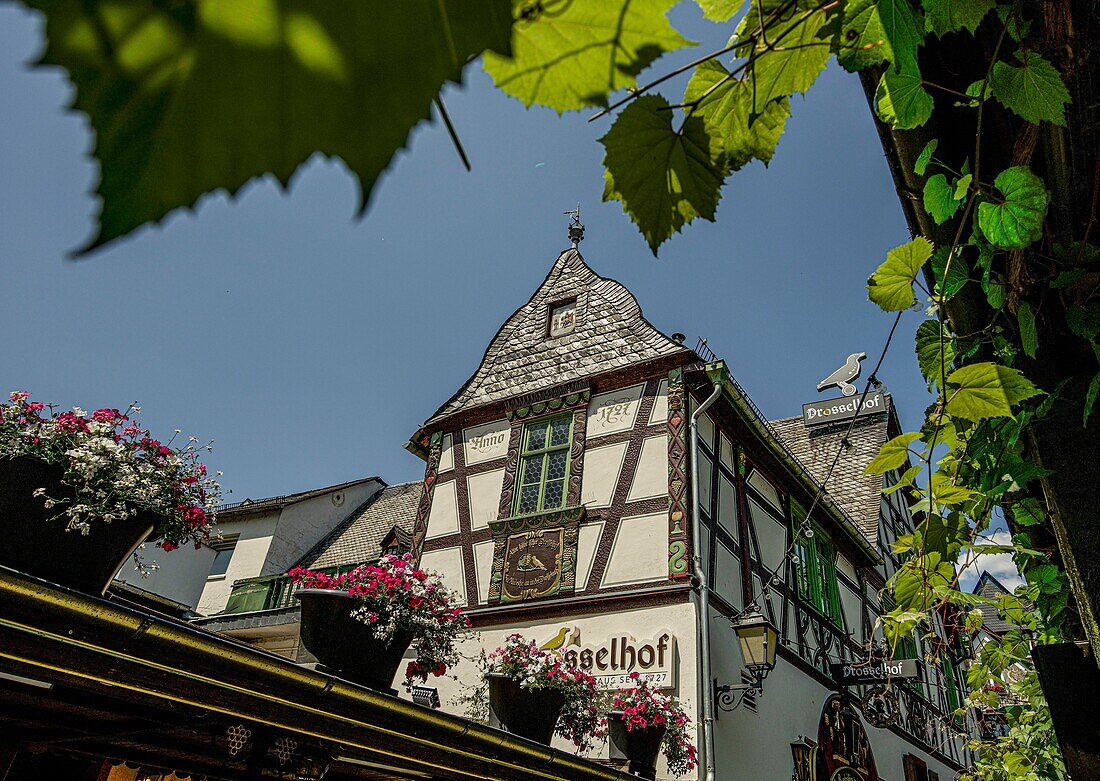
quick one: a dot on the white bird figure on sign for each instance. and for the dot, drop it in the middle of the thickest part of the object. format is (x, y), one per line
(843, 376)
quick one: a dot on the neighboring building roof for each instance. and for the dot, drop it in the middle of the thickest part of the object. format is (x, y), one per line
(991, 588)
(610, 332)
(248, 506)
(359, 538)
(859, 495)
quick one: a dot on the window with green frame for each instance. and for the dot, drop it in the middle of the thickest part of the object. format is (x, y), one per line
(543, 465)
(816, 568)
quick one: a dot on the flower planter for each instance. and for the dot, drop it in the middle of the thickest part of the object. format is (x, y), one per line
(346, 646)
(640, 745)
(528, 713)
(32, 541)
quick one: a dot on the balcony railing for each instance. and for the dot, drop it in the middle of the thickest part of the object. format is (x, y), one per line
(270, 592)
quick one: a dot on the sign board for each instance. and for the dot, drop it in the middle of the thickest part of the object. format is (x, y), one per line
(819, 413)
(856, 674)
(612, 660)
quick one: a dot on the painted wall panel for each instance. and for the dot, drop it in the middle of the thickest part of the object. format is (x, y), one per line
(613, 411)
(640, 551)
(770, 534)
(587, 541)
(602, 466)
(766, 489)
(448, 563)
(727, 576)
(484, 490)
(725, 452)
(727, 505)
(706, 429)
(486, 442)
(483, 569)
(706, 485)
(651, 476)
(659, 414)
(443, 517)
(446, 455)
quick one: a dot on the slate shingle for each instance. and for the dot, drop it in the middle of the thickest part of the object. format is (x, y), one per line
(359, 538)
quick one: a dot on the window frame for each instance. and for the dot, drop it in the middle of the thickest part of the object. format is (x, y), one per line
(225, 545)
(815, 574)
(543, 453)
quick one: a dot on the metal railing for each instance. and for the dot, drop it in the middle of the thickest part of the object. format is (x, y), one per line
(271, 592)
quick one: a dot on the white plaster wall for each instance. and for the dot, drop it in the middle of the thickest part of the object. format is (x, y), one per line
(587, 541)
(727, 576)
(640, 551)
(727, 505)
(706, 485)
(446, 455)
(448, 563)
(303, 524)
(770, 534)
(851, 605)
(651, 476)
(484, 490)
(725, 451)
(180, 575)
(659, 414)
(615, 411)
(600, 475)
(485, 442)
(483, 569)
(706, 428)
(766, 489)
(248, 559)
(443, 517)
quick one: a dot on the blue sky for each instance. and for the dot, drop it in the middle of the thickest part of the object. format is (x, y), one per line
(310, 344)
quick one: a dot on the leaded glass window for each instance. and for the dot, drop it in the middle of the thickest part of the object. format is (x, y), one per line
(543, 465)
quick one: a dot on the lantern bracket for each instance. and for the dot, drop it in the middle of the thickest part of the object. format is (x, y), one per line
(725, 696)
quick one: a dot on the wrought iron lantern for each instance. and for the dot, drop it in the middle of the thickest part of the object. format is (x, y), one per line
(758, 639)
(805, 757)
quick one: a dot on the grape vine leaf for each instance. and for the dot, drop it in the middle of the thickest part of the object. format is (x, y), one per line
(874, 31)
(957, 273)
(892, 455)
(788, 48)
(891, 286)
(727, 111)
(583, 51)
(1084, 320)
(664, 178)
(1029, 338)
(925, 157)
(1017, 220)
(939, 199)
(901, 99)
(191, 98)
(719, 10)
(1090, 398)
(1035, 90)
(987, 390)
(962, 187)
(929, 354)
(948, 16)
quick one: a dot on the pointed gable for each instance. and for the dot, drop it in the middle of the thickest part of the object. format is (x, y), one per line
(609, 332)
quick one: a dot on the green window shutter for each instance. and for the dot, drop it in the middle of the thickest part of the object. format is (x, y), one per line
(543, 465)
(951, 684)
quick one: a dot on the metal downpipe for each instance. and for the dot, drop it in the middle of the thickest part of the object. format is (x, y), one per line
(703, 616)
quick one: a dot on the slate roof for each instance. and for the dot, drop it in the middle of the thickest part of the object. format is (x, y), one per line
(610, 332)
(359, 538)
(857, 494)
(991, 588)
(277, 502)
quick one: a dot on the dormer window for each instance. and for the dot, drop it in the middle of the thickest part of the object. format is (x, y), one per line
(563, 318)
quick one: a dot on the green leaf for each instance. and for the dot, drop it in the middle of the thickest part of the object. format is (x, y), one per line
(962, 187)
(957, 273)
(928, 351)
(906, 479)
(792, 57)
(901, 101)
(892, 454)
(1029, 339)
(1068, 278)
(1017, 220)
(874, 31)
(1035, 90)
(925, 157)
(1028, 512)
(664, 178)
(939, 199)
(188, 98)
(995, 295)
(987, 390)
(1084, 320)
(891, 286)
(719, 10)
(947, 493)
(581, 51)
(728, 112)
(1090, 398)
(948, 16)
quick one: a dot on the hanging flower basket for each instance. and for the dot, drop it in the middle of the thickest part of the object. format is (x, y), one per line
(528, 713)
(37, 543)
(639, 745)
(347, 646)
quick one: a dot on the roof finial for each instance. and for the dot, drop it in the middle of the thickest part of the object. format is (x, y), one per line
(576, 228)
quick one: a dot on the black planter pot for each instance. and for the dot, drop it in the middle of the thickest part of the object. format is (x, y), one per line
(640, 745)
(346, 646)
(528, 713)
(32, 541)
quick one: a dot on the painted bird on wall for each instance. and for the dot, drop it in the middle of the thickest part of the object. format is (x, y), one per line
(842, 377)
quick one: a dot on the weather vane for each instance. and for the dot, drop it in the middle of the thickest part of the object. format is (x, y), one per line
(576, 228)
(843, 376)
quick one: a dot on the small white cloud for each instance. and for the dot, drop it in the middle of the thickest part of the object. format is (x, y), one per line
(999, 565)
